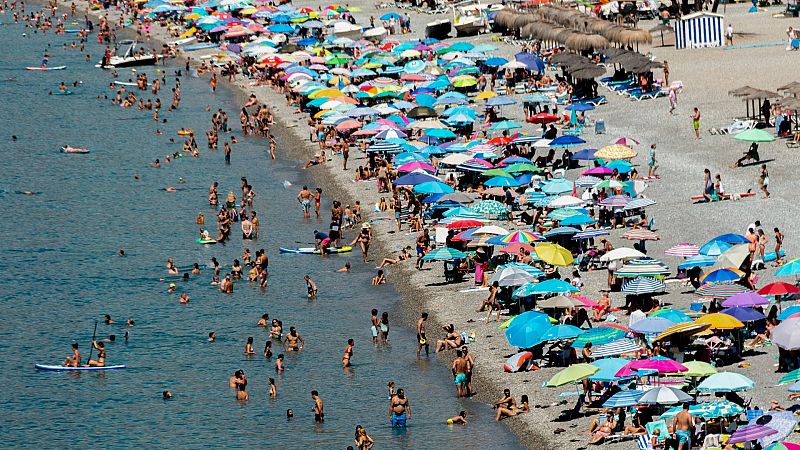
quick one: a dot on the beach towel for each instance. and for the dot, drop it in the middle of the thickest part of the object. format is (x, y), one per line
(660, 425)
(644, 442)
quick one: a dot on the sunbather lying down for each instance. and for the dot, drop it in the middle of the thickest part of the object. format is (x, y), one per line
(736, 127)
(601, 428)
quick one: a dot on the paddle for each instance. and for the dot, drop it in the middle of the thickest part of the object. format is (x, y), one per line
(94, 335)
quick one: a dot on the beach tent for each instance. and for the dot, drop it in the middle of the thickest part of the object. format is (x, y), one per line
(701, 29)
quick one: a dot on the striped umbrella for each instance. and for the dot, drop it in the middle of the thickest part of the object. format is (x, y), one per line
(783, 422)
(562, 213)
(590, 233)
(686, 328)
(683, 250)
(615, 151)
(643, 285)
(385, 146)
(444, 254)
(614, 348)
(561, 231)
(697, 261)
(789, 312)
(671, 314)
(714, 248)
(520, 236)
(750, 433)
(512, 276)
(528, 268)
(720, 290)
(624, 399)
(790, 377)
(615, 201)
(640, 234)
(664, 396)
(639, 203)
(598, 336)
(644, 267)
(587, 181)
(722, 275)
(490, 207)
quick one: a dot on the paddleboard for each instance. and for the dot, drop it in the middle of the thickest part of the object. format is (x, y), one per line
(62, 93)
(312, 251)
(81, 151)
(726, 196)
(72, 31)
(125, 83)
(770, 256)
(77, 369)
(189, 48)
(206, 241)
(47, 68)
(184, 41)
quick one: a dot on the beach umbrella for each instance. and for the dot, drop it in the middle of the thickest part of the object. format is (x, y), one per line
(671, 314)
(557, 186)
(421, 112)
(790, 377)
(490, 229)
(627, 141)
(699, 369)
(658, 364)
(643, 267)
(697, 410)
(643, 285)
(523, 167)
(622, 253)
(616, 201)
(464, 224)
(720, 290)
(681, 329)
(620, 166)
(652, 325)
(723, 275)
(726, 382)
(609, 184)
(789, 268)
(664, 395)
(749, 433)
(559, 301)
(778, 288)
(512, 276)
(518, 362)
(754, 135)
(572, 374)
(502, 182)
(500, 101)
(415, 178)
(561, 231)
(640, 234)
(598, 171)
(617, 347)
(490, 207)
(720, 321)
(526, 267)
(787, 334)
(714, 248)
(697, 261)
(516, 248)
(542, 118)
(578, 106)
(615, 151)
(579, 220)
(433, 187)
(789, 312)
(734, 256)
(505, 125)
(525, 330)
(784, 446)
(744, 314)
(554, 254)
(520, 236)
(684, 250)
(624, 399)
(561, 331)
(608, 369)
(638, 203)
(598, 336)
(745, 299)
(566, 141)
(444, 254)
(731, 238)
(783, 422)
(545, 287)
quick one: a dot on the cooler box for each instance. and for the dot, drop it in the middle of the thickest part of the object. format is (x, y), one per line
(600, 126)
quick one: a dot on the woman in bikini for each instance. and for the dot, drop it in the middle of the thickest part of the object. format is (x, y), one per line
(101, 355)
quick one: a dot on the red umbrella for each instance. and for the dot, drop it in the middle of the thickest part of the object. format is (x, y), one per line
(462, 224)
(499, 140)
(515, 248)
(779, 288)
(542, 118)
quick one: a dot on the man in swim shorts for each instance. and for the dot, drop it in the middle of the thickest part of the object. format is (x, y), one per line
(319, 412)
(400, 409)
(460, 373)
(683, 424)
(422, 340)
(304, 197)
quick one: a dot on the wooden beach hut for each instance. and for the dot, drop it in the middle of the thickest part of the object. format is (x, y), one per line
(701, 29)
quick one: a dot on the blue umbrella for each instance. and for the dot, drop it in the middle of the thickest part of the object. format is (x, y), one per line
(671, 314)
(501, 182)
(280, 28)
(608, 369)
(561, 231)
(524, 179)
(390, 16)
(624, 399)
(599, 336)
(462, 46)
(652, 325)
(425, 100)
(566, 141)
(414, 178)
(444, 254)
(580, 107)
(788, 312)
(586, 154)
(697, 261)
(526, 330)
(505, 125)
(531, 61)
(577, 220)
(714, 248)
(731, 238)
(590, 233)
(790, 268)
(307, 42)
(557, 186)
(495, 61)
(433, 187)
(500, 101)
(415, 66)
(744, 314)
(726, 382)
(561, 332)
(545, 287)
(441, 133)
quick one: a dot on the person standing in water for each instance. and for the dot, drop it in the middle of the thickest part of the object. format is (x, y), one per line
(348, 353)
(304, 197)
(422, 340)
(311, 286)
(293, 341)
(399, 409)
(318, 409)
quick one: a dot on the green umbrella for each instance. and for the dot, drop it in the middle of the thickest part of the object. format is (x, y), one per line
(571, 374)
(444, 254)
(465, 82)
(522, 167)
(790, 377)
(754, 135)
(336, 61)
(490, 207)
(497, 173)
(699, 369)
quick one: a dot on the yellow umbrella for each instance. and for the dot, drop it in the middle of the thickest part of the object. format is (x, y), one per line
(720, 321)
(615, 151)
(322, 113)
(247, 11)
(192, 16)
(682, 328)
(571, 374)
(336, 79)
(330, 93)
(410, 53)
(553, 254)
(485, 95)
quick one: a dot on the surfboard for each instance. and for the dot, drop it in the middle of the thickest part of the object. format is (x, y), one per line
(312, 251)
(72, 31)
(47, 68)
(206, 241)
(189, 48)
(62, 93)
(77, 369)
(125, 83)
(80, 151)
(726, 196)
(770, 256)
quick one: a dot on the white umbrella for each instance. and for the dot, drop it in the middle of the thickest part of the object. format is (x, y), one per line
(512, 276)
(664, 395)
(542, 143)
(559, 301)
(491, 229)
(787, 334)
(455, 158)
(564, 201)
(622, 253)
(514, 65)
(426, 124)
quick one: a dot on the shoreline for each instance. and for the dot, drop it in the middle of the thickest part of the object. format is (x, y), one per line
(406, 282)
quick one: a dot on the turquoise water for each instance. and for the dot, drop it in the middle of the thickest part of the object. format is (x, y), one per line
(61, 273)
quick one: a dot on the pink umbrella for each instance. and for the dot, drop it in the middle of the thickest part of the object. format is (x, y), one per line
(684, 250)
(412, 77)
(317, 60)
(660, 365)
(348, 125)
(365, 132)
(415, 165)
(319, 67)
(587, 302)
(598, 171)
(482, 162)
(627, 141)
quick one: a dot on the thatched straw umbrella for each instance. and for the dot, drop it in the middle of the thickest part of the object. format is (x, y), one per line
(661, 28)
(583, 42)
(742, 91)
(792, 88)
(588, 72)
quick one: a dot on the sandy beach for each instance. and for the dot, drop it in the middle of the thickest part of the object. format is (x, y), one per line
(708, 75)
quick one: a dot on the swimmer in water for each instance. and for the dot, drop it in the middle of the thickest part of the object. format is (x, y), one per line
(293, 341)
(121, 252)
(345, 268)
(212, 337)
(279, 363)
(311, 286)
(348, 353)
(460, 419)
(273, 391)
(166, 395)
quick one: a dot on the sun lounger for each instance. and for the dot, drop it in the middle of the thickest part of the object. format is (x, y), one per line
(601, 100)
(639, 95)
(659, 424)
(736, 127)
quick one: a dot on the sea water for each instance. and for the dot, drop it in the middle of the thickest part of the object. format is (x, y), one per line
(61, 273)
